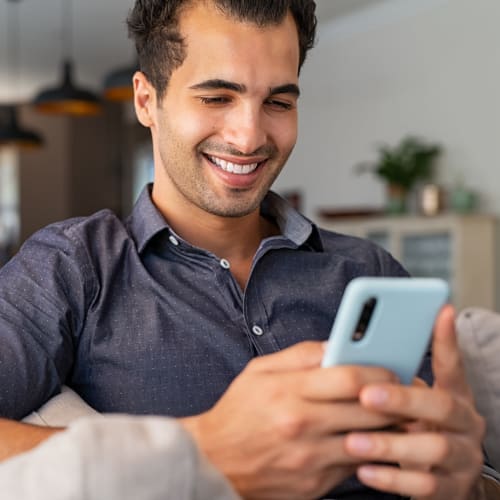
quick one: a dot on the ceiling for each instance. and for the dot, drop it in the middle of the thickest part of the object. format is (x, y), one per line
(99, 40)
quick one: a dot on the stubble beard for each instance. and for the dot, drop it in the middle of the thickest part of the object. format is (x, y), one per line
(236, 203)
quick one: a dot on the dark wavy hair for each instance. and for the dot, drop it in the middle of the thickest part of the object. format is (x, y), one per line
(153, 26)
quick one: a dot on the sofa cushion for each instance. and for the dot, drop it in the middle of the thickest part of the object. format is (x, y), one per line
(478, 333)
(61, 410)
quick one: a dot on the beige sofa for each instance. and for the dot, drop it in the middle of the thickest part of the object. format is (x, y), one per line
(479, 338)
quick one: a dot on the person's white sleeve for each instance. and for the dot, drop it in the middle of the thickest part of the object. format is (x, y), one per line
(115, 458)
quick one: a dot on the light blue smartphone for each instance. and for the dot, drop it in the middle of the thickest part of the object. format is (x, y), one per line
(386, 322)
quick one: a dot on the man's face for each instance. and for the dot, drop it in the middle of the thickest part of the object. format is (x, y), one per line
(228, 120)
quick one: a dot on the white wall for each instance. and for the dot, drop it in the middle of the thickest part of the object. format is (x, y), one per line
(429, 67)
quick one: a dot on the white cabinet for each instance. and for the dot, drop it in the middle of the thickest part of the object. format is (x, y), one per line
(457, 248)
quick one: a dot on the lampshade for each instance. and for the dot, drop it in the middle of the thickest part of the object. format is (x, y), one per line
(12, 134)
(67, 98)
(118, 84)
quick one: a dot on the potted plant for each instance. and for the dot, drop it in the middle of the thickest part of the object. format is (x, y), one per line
(401, 167)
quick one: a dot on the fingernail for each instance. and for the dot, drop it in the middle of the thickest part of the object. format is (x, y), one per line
(359, 443)
(375, 396)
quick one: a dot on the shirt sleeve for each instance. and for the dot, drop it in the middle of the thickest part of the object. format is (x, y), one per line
(44, 295)
(117, 458)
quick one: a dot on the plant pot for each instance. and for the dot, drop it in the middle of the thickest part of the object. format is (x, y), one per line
(397, 196)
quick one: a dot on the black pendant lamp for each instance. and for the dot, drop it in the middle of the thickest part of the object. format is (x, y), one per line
(66, 98)
(118, 84)
(11, 132)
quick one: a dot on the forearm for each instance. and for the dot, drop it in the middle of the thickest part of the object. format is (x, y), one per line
(16, 437)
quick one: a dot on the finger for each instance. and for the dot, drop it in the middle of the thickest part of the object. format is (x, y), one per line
(303, 355)
(326, 419)
(341, 382)
(403, 482)
(419, 382)
(433, 406)
(443, 451)
(447, 362)
(316, 454)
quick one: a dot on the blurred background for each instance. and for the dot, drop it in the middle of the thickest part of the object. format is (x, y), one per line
(383, 71)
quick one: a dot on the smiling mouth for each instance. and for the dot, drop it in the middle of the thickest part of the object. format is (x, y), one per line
(234, 168)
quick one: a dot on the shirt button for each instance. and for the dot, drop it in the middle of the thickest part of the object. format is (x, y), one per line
(225, 264)
(257, 330)
(173, 240)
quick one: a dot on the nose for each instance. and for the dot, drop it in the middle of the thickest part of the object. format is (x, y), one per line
(244, 128)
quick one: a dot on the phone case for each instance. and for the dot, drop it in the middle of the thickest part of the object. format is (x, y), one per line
(400, 328)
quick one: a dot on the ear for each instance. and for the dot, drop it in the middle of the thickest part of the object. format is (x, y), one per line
(144, 99)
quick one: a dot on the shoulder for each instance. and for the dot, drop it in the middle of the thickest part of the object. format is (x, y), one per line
(366, 253)
(69, 248)
(75, 234)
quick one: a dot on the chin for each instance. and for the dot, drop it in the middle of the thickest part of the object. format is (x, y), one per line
(237, 204)
(234, 210)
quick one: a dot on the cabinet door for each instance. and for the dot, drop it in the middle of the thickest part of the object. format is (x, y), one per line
(428, 255)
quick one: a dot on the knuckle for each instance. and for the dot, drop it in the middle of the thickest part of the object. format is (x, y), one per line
(289, 425)
(351, 380)
(442, 448)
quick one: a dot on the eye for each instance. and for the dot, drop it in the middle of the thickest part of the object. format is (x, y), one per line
(214, 100)
(279, 105)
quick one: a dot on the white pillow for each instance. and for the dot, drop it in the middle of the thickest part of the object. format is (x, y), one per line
(479, 338)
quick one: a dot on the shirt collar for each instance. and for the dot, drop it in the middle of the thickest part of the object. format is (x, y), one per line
(292, 224)
(146, 221)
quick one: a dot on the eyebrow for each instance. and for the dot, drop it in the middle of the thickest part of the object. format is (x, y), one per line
(217, 84)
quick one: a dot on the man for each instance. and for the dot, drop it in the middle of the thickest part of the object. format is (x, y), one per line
(189, 308)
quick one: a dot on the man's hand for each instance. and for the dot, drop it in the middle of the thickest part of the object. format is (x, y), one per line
(440, 451)
(278, 431)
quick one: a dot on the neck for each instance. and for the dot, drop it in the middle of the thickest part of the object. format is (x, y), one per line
(233, 238)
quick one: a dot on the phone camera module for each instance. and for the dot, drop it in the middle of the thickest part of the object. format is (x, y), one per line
(364, 319)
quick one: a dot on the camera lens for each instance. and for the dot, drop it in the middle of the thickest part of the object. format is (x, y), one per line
(364, 319)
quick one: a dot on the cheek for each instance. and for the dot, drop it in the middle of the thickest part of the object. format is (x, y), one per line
(190, 129)
(285, 134)
(185, 122)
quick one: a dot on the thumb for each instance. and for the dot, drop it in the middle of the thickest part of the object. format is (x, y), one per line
(447, 362)
(302, 356)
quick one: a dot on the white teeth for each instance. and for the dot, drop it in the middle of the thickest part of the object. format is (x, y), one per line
(234, 168)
